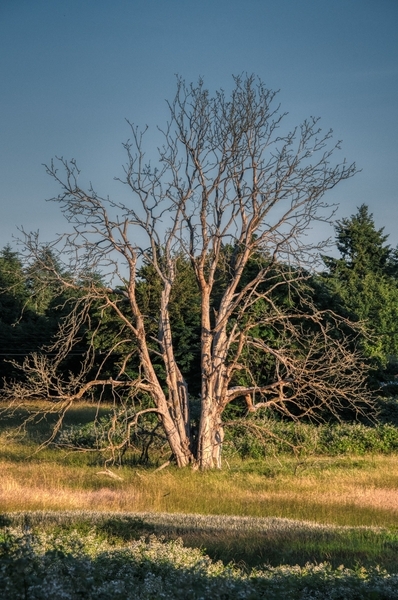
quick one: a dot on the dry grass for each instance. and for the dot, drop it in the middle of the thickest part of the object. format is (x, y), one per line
(356, 492)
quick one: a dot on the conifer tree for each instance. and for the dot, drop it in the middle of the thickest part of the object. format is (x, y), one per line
(363, 277)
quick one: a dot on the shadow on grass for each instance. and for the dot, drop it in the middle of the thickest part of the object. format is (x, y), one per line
(274, 542)
(37, 420)
(64, 567)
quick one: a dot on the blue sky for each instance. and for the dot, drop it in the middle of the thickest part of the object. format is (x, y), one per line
(72, 71)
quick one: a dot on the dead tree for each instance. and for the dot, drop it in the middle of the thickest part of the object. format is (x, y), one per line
(226, 176)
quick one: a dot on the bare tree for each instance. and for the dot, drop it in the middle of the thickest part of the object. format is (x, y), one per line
(228, 187)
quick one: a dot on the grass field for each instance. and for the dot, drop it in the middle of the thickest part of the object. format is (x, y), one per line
(351, 491)
(277, 511)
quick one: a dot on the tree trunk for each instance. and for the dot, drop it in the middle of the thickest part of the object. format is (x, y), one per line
(178, 402)
(174, 412)
(179, 447)
(211, 436)
(214, 388)
(211, 431)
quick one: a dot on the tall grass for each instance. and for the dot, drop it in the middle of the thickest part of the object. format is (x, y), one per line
(355, 490)
(361, 491)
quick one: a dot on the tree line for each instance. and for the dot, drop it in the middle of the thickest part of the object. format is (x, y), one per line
(361, 283)
(202, 294)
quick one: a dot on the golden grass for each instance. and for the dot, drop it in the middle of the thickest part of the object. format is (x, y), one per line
(337, 490)
(360, 491)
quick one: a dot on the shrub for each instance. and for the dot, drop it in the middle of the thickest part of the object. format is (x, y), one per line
(253, 438)
(269, 437)
(44, 565)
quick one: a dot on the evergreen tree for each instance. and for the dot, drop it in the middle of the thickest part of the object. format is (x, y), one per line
(13, 292)
(14, 310)
(40, 280)
(363, 278)
(362, 247)
(28, 314)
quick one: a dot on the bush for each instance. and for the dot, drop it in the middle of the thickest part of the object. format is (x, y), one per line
(259, 438)
(88, 436)
(388, 408)
(39, 566)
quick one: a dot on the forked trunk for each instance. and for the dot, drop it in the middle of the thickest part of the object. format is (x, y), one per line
(214, 389)
(173, 410)
(178, 421)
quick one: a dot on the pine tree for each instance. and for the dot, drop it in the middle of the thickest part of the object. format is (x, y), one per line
(362, 247)
(363, 277)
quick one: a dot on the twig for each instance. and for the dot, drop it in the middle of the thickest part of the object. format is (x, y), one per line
(110, 474)
(163, 466)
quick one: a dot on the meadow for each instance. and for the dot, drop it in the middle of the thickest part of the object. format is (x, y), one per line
(281, 524)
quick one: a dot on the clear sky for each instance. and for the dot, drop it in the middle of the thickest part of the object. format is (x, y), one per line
(72, 71)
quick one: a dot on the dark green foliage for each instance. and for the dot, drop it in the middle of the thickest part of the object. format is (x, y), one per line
(14, 294)
(43, 288)
(32, 308)
(112, 339)
(112, 344)
(364, 282)
(184, 317)
(387, 405)
(22, 329)
(362, 247)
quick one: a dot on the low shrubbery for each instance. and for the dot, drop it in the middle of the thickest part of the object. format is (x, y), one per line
(260, 438)
(41, 565)
(256, 437)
